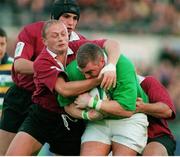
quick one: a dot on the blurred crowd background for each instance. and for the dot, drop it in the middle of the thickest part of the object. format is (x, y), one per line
(158, 19)
(146, 16)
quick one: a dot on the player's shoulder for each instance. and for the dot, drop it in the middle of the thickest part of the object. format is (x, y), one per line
(151, 79)
(34, 26)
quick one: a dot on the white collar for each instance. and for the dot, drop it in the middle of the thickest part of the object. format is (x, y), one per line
(105, 58)
(51, 53)
(69, 52)
(74, 36)
(141, 78)
(54, 56)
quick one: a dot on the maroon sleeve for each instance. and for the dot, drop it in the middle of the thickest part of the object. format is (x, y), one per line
(24, 46)
(29, 41)
(74, 45)
(46, 74)
(157, 93)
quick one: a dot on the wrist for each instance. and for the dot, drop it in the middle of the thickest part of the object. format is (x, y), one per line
(112, 65)
(85, 115)
(95, 103)
(108, 67)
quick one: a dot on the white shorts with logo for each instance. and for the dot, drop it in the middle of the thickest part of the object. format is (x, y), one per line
(131, 132)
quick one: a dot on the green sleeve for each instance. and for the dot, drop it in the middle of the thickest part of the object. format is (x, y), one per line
(125, 92)
(74, 74)
(141, 92)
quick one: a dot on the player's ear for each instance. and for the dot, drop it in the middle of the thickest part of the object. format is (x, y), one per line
(44, 41)
(102, 61)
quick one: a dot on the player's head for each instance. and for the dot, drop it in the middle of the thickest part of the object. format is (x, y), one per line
(66, 11)
(55, 36)
(93, 60)
(60, 7)
(3, 43)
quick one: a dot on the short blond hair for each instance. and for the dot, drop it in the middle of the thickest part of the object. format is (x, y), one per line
(48, 24)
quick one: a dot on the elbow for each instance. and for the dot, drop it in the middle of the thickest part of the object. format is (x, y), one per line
(128, 114)
(124, 111)
(168, 113)
(17, 68)
(125, 114)
(65, 93)
(111, 42)
(114, 42)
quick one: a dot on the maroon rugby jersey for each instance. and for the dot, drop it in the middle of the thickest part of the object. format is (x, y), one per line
(30, 42)
(157, 93)
(46, 72)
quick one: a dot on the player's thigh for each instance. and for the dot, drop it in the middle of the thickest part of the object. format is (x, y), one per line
(161, 145)
(155, 149)
(96, 139)
(94, 149)
(23, 144)
(5, 140)
(130, 132)
(122, 150)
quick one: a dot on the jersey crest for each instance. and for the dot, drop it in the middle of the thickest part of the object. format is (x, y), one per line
(19, 49)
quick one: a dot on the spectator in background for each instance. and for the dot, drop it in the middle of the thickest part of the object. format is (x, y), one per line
(5, 67)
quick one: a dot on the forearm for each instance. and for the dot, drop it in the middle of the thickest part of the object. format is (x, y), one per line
(158, 110)
(75, 112)
(113, 50)
(115, 109)
(74, 88)
(23, 66)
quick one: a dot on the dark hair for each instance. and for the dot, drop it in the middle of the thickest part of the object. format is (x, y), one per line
(3, 33)
(88, 52)
(60, 7)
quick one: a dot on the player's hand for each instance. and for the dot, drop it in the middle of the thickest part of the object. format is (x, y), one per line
(82, 101)
(109, 76)
(95, 115)
(139, 105)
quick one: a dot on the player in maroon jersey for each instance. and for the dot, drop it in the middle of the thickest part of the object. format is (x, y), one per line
(47, 122)
(160, 108)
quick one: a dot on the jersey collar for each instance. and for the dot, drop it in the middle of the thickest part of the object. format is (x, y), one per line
(74, 36)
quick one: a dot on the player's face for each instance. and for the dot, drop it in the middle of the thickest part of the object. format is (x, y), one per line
(3, 45)
(70, 20)
(57, 38)
(93, 69)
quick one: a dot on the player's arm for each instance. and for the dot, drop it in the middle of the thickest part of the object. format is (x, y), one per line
(109, 107)
(75, 112)
(74, 88)
(158, 109)
(160, 104)
(23, 66)
(109, 71)
(112, 107)
(24, 52)
(113, 50)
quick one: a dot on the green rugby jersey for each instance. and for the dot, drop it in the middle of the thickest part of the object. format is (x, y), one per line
(127, 86)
